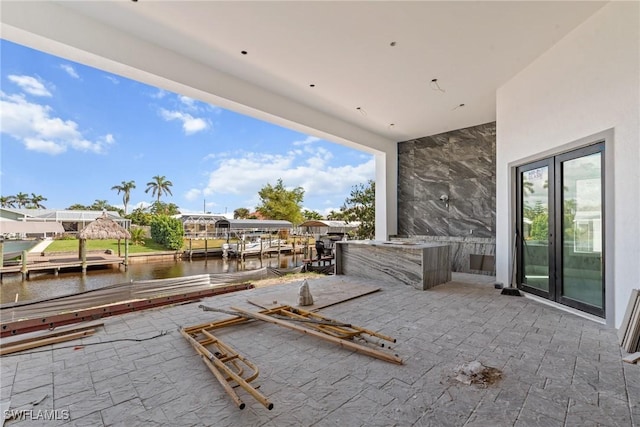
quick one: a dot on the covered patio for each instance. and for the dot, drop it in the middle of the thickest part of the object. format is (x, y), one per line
(454, 99)
(558, 369)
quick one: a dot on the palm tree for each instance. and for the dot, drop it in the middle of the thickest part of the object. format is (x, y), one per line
(158, 186)
(241, 213)
(21, 199)
(35, 202)
(8, 201)
(125, 188)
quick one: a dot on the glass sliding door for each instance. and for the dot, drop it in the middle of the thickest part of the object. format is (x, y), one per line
(535, 208)
(581, 263)
(560, 249)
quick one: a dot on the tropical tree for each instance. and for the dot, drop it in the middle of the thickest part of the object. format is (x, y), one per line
(336, 215)
(360, 206)
(241, 213)
(140, 216)
(162, 208)
(280, 203)
(125, 188)
(21, 199)
(36, 201)
(98, 205)
(78, 207)
(7, 201)
(160, 185)
(307, 214)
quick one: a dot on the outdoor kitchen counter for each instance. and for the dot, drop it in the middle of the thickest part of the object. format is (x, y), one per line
(421, 265)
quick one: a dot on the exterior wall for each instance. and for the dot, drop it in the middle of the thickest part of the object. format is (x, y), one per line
(461, 165)
(585, 88)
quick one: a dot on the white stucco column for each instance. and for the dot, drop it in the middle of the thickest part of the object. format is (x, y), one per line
(386, 192)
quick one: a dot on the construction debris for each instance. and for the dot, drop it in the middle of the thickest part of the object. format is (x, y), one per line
(226, 365)
(229, 367)
(342, 336)
(304, 295)
(629, 332)
(476, 373)
(632, 358)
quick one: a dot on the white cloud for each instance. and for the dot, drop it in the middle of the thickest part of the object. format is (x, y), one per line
(193, 194)
(189, 102)
(30, 85)
(36, 127)
(190, 124)
(307, 141)
(70, 70)
(44, 146)
(248, 173)
(159, 94)
(112, 79)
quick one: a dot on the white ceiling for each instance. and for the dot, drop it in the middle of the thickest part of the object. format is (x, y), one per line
(343, 48)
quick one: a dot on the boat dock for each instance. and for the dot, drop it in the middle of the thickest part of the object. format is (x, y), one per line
(56, 264)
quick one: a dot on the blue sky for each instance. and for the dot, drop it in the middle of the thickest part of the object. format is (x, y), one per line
(71, 132)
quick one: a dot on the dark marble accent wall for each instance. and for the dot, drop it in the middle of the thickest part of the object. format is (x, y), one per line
(462, 165)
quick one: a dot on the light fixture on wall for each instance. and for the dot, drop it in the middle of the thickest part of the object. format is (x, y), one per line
(445, 200)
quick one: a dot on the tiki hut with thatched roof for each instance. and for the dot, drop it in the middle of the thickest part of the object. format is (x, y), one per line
(102, 228)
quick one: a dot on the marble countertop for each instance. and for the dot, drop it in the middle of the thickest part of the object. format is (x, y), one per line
(393, 244)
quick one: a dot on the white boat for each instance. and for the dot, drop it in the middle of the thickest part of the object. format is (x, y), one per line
(253, 247)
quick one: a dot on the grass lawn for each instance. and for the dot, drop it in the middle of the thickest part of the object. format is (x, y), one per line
(94, 245)
(199, 243)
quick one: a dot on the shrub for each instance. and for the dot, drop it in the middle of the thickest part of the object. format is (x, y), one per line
(65, 236)
(167, 231)
(138, 235)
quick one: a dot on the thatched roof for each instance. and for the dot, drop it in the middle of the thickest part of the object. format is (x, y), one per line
(104, 228)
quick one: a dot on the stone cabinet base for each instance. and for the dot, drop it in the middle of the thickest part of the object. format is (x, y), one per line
(421, 265)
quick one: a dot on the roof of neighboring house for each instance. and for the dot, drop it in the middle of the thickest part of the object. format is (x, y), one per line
(253, 224)
(201, 218)
(331, 224)
(62, 215)
(30, 227)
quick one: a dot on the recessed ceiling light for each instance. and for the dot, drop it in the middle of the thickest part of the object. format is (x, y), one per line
(436, 86)
(244, 52)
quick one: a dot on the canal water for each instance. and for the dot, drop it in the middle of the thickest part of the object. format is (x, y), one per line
(46, 285)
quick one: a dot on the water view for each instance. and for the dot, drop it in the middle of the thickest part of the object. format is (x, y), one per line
(47, 285)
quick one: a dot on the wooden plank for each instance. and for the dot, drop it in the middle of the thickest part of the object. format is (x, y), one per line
(325, 293)
(632, 358)
(342, 343)
(34, 336)
(45, 341)
(630, 342)
(634, 300)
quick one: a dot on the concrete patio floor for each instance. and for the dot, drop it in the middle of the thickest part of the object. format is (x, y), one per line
(558, 369)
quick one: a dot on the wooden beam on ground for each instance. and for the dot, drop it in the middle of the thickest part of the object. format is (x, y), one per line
(342, 343)
(632, 358)
(9, 342)
(22, 326)
(45, 341)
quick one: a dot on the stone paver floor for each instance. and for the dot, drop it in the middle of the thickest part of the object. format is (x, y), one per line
(558, 369)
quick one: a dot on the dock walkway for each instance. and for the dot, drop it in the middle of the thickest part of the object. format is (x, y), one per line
(56, 264)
